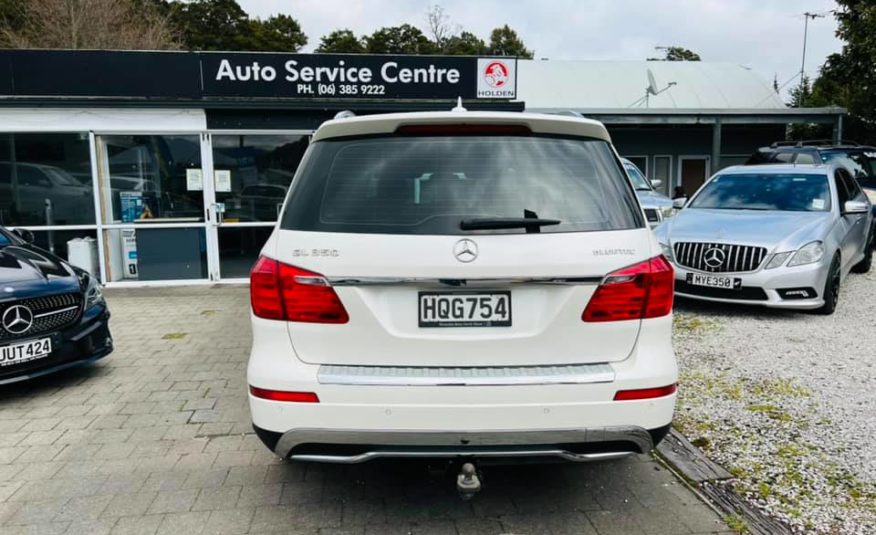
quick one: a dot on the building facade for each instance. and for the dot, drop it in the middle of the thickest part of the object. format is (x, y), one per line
(171, 167)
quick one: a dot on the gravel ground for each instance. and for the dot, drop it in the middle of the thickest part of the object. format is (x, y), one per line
(785, 401)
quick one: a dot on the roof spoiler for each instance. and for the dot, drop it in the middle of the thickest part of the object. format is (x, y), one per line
(813, 142)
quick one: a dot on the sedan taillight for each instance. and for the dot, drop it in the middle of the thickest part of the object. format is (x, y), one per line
(282, 292)
(640, 291)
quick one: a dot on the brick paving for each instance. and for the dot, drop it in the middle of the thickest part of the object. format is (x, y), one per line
(157, 439)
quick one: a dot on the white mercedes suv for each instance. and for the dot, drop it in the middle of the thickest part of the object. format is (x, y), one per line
(461, 285)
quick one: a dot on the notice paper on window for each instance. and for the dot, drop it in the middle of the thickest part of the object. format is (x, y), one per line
(222, 178)
(194, 180)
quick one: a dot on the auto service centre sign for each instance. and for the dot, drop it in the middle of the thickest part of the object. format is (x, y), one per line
(358, 76)
(194, 76)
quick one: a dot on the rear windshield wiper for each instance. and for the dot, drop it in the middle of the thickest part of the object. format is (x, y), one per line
(531, 224)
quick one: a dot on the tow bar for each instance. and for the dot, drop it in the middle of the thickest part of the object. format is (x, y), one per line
(468, 483)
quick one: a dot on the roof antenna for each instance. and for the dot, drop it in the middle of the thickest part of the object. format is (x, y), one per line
(459, 106)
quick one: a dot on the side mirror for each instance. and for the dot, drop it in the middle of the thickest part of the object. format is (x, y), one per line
(856, 207)
(679, 203)
(656, 183)
(24, 234)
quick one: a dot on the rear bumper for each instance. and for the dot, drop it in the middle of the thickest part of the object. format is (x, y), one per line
(350, 447)
(544, 413)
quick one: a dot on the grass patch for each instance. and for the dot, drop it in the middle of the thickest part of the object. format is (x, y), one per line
(685, 324)
(780, 388)
(736, 523)
(174, 336)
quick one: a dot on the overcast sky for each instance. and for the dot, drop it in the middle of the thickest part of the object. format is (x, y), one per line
(766, 35)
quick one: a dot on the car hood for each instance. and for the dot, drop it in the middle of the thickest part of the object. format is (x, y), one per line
(768, 229)
(24, 269)
(652, 199)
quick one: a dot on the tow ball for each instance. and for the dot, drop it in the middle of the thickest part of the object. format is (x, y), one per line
(468, 483)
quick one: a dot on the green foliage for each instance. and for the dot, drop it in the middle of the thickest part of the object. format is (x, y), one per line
(677, 53)
(12, 14)
(404, 39)
(505, 42)
(465, 44)
(341, 42)
(224, 25)
(848, 78)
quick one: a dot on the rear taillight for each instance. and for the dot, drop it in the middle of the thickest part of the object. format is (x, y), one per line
(643, 290)
(646, 393)
(283, 395)
(282, 292)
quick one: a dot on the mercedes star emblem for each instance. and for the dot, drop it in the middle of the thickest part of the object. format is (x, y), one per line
(714, 257)
(465, 250)
(17, 319)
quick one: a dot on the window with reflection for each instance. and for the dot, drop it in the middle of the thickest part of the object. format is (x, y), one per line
(253, 173)
(154, 179)
(45, 179)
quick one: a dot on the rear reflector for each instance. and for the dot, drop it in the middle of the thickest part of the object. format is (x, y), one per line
(280, 395)
(282, 292)
(463, 129)
(646, 393)
(640, 291)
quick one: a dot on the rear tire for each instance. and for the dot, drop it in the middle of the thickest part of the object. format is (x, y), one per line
(831, 288)
(864, 265)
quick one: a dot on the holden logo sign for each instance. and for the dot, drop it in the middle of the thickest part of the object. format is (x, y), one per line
(497, 78)
(496, 74)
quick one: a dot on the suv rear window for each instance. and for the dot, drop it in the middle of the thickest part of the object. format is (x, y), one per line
(861, 163)
(429, 184)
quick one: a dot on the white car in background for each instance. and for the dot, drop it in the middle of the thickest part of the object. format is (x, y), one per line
(461, 285)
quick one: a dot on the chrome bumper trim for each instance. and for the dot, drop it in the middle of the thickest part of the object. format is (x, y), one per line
(465, 376)
(439, 454)
(462, 444)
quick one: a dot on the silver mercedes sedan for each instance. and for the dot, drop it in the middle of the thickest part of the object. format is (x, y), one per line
(773, 235)
(656, 205)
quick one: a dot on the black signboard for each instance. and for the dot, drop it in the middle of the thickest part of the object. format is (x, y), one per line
(95, 73)
(242, 75)
(338, 76)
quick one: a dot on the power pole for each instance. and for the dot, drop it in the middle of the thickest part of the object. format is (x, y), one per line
(806, 17)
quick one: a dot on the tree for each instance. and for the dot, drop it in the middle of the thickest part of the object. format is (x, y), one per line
(848, 78)
(279, 33)
(99, 24)
(341, 41)
(505, 42)
(224, 25)
(440, 26)
(465, 44)
(677, 53)
(404, 39)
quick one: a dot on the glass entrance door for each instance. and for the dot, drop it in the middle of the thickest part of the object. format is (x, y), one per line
(251, 173)
(152, 207)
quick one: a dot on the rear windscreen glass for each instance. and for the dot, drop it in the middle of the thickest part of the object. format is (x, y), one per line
(430, 184)
(862, 164)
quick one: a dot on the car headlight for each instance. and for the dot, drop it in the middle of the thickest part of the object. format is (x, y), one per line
(810, 253)
(667, 212)
(93, 293)
(778, 259)
(667, 252)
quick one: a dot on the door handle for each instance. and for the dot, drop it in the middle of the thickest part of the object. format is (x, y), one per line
(219, 210)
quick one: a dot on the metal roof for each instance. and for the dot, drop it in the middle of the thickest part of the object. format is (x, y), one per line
(594, 85)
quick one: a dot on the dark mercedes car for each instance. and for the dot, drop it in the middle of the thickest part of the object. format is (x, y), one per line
(52, 315)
